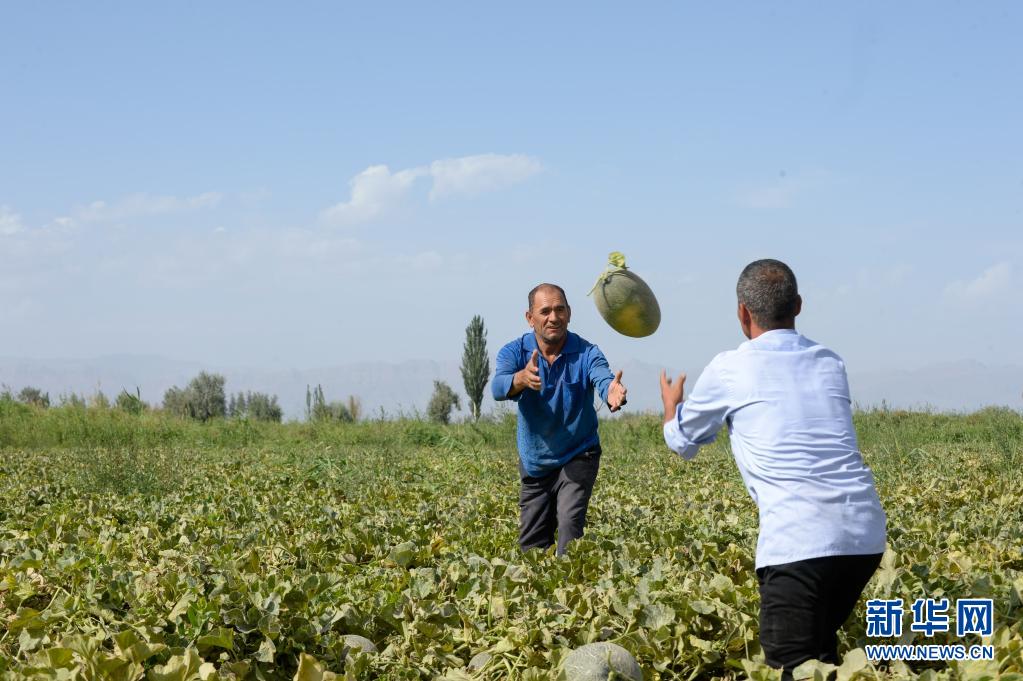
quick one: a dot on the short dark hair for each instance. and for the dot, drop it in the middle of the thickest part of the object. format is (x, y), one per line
(769, 291)
(532, 294)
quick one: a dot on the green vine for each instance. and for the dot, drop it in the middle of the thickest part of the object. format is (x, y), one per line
(615, 263)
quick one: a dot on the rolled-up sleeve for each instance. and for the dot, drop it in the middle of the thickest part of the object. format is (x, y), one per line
(600, 372)
(507, 365)
(700, 417)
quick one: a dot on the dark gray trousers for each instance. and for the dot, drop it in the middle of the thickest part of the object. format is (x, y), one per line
(557, 501)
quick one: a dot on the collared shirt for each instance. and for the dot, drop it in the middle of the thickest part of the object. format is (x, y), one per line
(785, 400)
(558, 421)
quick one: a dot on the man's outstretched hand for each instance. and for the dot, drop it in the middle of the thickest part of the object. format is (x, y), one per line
(616, 393)
(671, 394)
(528, 377)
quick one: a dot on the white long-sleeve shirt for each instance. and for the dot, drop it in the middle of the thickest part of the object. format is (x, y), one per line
(785, 400)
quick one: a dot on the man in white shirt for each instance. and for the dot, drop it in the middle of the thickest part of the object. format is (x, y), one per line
(785, 400)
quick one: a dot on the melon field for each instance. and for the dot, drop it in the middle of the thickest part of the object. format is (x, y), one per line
(148, 547)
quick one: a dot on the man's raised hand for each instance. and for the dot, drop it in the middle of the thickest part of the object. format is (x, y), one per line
(671, 394)
(616, 393)
(529, 377)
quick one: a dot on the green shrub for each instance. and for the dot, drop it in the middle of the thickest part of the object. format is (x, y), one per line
(73, 401)
(34, 397)
(202, 400)
(444, 399)
(256, 406)
(131, 404)
(318, 409)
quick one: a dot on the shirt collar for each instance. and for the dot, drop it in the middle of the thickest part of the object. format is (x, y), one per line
(572, 343)
(778, 332)
(772, 337)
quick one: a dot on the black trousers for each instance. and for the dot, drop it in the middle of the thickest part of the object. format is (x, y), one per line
(557, 501)
(803, 605)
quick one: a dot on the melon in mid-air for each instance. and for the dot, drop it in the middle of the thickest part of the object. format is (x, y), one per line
(625, 301)
(600, 662)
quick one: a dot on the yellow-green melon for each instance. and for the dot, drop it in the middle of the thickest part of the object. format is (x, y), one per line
(625, 301)
(359, 643)
(600, 662)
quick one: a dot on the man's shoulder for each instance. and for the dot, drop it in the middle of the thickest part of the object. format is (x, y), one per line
(576, 343)
(725, 357)
(793, 342)
(819, 349)
(520, 343)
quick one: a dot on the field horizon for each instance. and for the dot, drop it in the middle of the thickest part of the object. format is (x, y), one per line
(403, 388)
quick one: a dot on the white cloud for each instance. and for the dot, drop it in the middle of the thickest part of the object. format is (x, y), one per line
(10, 222)
(374, 190)
(471, 175)
(377, 190)
(991, 281)
(141, 205)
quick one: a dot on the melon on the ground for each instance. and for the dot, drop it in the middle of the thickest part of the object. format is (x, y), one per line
(479, 661)
(625, 301)
(600, 662)
(360, 643)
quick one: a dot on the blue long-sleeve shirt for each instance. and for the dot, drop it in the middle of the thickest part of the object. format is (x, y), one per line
(557, 422)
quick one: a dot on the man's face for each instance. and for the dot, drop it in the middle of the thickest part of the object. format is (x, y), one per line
(549, 316)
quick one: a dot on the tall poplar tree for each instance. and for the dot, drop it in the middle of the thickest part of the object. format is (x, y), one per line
(475, 364)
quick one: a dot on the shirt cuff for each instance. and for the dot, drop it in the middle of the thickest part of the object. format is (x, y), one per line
(676, 440)
(501, 385)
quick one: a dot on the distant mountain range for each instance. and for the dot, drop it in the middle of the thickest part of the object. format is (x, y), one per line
(405, 387)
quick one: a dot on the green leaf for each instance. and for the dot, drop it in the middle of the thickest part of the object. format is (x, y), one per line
(221, 637)
(24, 618)
(29, 639)
(403, 554)
(142, 651)
(31, 558)
(503, 646)
(702, 607)
(59, 657)
(310, 669)
(656, 615)
(854, 661)
(182, 667)
(813, 670)
(267, 649)
(181, 607)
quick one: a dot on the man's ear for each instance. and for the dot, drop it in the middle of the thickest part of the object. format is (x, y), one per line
(799, 306)
(745, 320)
(529, 318)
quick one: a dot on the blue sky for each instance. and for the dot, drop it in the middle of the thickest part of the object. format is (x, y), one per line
(301, 186)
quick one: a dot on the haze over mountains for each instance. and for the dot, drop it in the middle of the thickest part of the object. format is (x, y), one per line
(405, 387)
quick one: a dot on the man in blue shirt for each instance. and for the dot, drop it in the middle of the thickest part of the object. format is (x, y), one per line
(552, 373)
(785, 400)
